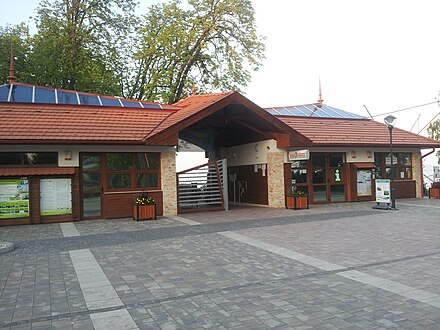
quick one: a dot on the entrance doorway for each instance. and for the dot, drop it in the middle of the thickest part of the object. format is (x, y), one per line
(328, 178)
(91, 185)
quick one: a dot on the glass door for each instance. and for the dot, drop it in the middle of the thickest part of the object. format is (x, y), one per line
(328, 178)
(91, 185)
(319, 181)
(337, 186)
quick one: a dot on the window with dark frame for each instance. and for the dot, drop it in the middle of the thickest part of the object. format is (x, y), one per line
(400, 168)
(132, 171)
(28, 158)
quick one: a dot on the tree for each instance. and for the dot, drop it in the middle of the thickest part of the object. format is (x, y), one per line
(77, 44)
(434, 133)
(213, 45)
(17, 36)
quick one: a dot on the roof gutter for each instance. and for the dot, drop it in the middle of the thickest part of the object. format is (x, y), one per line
(421, 169)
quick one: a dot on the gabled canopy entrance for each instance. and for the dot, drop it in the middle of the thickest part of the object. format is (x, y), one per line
(217, 121)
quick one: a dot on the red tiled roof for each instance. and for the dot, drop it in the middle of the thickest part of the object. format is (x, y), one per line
(19, 171)
(55, 123)
(354, 132)
(189, 107)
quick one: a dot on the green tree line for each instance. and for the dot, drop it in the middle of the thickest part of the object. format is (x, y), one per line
(104, 47)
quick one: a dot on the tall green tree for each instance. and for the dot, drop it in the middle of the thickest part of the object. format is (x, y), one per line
(17, 36)
(78, 43)
(212, 44)
(434, 132)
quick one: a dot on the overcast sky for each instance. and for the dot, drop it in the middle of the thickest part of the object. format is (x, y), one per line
(380, 53)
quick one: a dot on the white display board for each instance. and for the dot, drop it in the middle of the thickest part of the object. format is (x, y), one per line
(55, 196)
(363, 180)
(383, 191)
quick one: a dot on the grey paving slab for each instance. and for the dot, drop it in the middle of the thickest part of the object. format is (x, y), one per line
(173, 275)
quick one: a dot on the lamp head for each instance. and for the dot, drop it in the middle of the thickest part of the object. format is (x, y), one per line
(390, 120)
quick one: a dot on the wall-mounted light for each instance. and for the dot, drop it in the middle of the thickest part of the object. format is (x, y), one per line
(353, 154)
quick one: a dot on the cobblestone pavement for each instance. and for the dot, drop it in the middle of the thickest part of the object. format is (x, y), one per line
(340, 266)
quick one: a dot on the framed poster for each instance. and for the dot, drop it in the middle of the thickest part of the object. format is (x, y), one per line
(383, 194)
(55, 196)
(14, 198)
(363, 182)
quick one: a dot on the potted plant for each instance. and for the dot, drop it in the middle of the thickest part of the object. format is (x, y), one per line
(144, 207)
(434, 191)
(297, 199)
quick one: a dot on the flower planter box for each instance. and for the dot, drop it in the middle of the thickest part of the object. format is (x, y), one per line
(297, 202)
(144, 212)
(434, 192)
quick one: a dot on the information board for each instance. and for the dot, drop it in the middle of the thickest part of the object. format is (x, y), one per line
(383, 194)
(55, 196)
(14, 198)
(363, 180)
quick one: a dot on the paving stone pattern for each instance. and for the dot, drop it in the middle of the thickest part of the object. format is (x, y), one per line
(170, 275)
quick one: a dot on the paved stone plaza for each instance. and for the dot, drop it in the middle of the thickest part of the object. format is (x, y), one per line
(340, 266)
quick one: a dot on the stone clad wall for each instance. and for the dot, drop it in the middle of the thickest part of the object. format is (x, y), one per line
(416, 172)
(275, 179)
(168, 182)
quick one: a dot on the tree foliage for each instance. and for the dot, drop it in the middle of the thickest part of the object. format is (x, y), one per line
(100, 46)
(213, 44)
(19, 37)
(434, 133)
(77, 43)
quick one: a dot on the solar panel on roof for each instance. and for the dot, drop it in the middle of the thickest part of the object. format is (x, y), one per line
(151, 105)
(43, 95)
(88, 99)
(110, 102)
(315, 111)
(23, 94)
(4, 93)
(35, 94)
(67, 98)
(131, 104)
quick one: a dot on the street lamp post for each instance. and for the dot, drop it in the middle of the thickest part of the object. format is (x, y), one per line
(391, 121)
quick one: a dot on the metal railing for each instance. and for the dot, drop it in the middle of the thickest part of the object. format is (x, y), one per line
(202, 188)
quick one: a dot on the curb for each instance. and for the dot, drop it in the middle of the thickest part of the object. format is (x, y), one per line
(6, 247)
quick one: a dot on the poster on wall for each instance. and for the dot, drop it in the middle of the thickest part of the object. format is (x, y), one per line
(55, 196)
(14, 198)
(383, 193)
(363, 181)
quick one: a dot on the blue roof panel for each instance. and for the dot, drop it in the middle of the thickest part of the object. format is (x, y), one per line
(110, 102)
(4, 93)
(88, 99)
(151, 105)
(313, 110)
(67, 98)
(22, 94)
(36, 94)
(44, 95)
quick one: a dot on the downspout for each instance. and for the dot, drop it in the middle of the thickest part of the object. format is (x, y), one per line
(421, 169)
